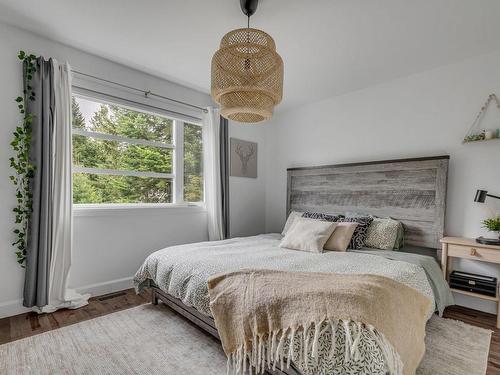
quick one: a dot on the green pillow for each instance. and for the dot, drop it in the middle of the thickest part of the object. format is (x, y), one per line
(384, 234)
(400, 238)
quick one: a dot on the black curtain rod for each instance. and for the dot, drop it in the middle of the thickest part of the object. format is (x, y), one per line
(146, 93)
(133, 102)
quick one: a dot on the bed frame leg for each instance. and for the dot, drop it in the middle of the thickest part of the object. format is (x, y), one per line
(154, 297)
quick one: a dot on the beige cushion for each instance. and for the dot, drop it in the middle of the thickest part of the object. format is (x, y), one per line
(291, 218)
(341, 236)
(308, 235)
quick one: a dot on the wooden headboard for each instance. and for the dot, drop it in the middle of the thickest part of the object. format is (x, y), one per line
(412, 191)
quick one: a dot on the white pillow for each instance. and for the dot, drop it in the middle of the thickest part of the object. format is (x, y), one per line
(289, 222)
(308, 235)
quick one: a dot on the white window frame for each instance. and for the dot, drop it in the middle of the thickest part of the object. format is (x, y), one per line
(177, 175)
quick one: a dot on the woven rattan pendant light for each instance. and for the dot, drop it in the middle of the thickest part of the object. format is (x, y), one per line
(247, 73)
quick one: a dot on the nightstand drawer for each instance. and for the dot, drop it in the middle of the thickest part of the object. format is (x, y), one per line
(475, 253)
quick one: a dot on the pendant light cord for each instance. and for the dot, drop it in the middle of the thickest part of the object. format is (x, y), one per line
(247, 61)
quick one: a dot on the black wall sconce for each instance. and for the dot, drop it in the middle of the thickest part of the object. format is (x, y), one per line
(481, 196)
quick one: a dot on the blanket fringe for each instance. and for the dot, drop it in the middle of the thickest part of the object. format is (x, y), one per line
(272, 349)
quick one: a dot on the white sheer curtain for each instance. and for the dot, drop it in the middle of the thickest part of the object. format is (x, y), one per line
(59, 295)
(211, 164)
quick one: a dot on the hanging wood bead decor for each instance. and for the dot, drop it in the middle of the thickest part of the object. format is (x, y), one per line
(475, 132)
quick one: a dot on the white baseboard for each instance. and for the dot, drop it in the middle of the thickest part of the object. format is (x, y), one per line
(106, 287)
(15, 307)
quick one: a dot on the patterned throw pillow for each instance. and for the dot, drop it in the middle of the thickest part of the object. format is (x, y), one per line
(359, 236)
(321, 216)
(382, 234)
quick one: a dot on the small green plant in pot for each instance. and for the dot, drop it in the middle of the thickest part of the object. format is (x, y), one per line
(493, 225)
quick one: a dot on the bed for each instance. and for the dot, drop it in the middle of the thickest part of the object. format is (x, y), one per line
(412, 191)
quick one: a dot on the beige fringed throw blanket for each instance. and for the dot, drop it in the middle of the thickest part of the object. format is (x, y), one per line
(260, 313)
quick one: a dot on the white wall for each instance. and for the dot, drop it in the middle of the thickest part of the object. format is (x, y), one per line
(422, 115)
(109, 246)
(247, 195)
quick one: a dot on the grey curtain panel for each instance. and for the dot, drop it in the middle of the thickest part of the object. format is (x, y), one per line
(224, 174)
(38, 252)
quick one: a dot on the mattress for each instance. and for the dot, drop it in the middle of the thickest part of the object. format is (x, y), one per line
(183, 271)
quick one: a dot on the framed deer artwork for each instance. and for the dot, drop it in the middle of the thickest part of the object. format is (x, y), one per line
(243, 158)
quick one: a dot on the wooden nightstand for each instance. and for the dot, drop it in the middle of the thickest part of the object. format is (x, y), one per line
(467, 248)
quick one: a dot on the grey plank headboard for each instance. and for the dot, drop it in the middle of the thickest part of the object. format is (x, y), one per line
(412, 191)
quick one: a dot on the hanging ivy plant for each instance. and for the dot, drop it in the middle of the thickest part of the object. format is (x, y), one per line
(24, 170)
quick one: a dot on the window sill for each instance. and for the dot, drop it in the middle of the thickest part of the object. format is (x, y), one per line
(137, 209)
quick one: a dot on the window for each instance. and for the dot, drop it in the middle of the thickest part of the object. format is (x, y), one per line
(124, 155)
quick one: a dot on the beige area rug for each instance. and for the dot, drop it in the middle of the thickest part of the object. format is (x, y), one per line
(154, 340)
(455, 348)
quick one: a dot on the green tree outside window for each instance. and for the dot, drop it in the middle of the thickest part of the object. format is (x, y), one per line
(96, 153)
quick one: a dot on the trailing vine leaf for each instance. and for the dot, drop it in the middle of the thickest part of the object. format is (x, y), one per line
(23, 169)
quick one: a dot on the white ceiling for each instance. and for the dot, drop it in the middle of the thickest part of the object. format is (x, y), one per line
(329, 47)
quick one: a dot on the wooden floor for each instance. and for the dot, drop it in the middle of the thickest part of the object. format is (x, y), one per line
(29, 324)
(24, 325)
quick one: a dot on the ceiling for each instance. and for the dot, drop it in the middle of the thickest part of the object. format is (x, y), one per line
(329, 47)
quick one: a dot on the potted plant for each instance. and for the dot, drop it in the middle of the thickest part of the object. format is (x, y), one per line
(493, 225)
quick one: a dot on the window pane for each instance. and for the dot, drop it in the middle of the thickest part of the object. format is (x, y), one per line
(98, 153)
(92, 188)
(193, 163)
(98, 117)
